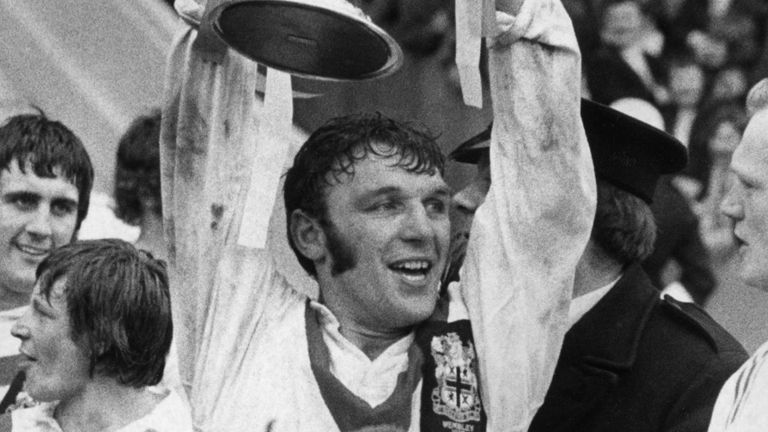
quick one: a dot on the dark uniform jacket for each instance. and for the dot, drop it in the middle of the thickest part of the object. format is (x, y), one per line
(635, 362)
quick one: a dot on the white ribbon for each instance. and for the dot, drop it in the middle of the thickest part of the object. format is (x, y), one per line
(275, 121)
(489, 18)
(469, 30)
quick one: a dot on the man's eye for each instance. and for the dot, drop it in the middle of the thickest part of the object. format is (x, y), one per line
(388, 205)
(62, 209)
(437, 206)
(24, 202)
(38, 310)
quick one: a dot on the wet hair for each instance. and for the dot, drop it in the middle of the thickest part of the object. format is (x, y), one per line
(137, 171)
(48, 146)
(757, 98)
(331, 152)
(624, 225)
(119, 307)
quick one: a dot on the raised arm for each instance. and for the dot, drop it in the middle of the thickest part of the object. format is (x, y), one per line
(529, 234)
(221, 292)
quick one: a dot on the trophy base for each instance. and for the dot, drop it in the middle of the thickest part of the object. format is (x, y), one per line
(307, 40)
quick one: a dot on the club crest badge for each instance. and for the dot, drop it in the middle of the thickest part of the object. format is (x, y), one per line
(456, 394)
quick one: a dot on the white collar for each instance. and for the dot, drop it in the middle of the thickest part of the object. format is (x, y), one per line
(171, 414)
(371, 380)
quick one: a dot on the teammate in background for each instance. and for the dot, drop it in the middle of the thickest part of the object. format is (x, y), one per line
(93, 340)
(45, 185)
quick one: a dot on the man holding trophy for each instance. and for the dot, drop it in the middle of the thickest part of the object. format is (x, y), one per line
(366, 212)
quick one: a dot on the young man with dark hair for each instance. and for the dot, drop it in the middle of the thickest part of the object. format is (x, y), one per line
(93, 339)
(631, 361)
(46, 173)
(137, 182)
(367, 215)
(45, 185)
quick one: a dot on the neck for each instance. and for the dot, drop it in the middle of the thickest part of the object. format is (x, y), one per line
(371, 341)
(152, 237)
(595, 270)
(104, 405)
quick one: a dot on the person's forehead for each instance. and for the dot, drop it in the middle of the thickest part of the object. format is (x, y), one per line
(12, 178)
(751, 156)
(376, 172)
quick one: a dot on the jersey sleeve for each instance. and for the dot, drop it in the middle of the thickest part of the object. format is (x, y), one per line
(529, 233)
(223, 294)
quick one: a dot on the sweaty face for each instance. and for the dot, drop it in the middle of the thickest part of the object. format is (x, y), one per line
(747, 201)
(387, 238)
(56, 366)
(36, 215)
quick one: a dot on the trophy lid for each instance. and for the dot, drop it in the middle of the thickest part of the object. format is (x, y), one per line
(321, 39)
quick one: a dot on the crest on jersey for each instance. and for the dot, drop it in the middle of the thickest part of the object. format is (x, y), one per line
(456, 395)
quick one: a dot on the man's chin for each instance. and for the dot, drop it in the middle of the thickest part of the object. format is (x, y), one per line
(751, 275)
(420, 310)
(22, 283)
(756, 281)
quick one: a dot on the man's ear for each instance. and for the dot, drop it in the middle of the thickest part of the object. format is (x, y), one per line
(307, 235)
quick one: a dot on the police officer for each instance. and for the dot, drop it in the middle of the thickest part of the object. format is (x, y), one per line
(631, 361)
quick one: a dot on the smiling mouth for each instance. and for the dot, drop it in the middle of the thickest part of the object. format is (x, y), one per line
(33, 251)
(412, 270)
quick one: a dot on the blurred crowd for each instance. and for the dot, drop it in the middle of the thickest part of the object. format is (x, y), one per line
(693, 60)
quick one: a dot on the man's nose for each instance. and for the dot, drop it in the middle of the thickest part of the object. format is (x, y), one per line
(417, 224)
(731, 205)
(40, 222)
(20, 329)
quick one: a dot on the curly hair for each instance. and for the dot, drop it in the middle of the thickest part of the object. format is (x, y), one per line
(119, 305)
(332, 151)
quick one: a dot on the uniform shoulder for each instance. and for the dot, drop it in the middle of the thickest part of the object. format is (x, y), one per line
(697, 321)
